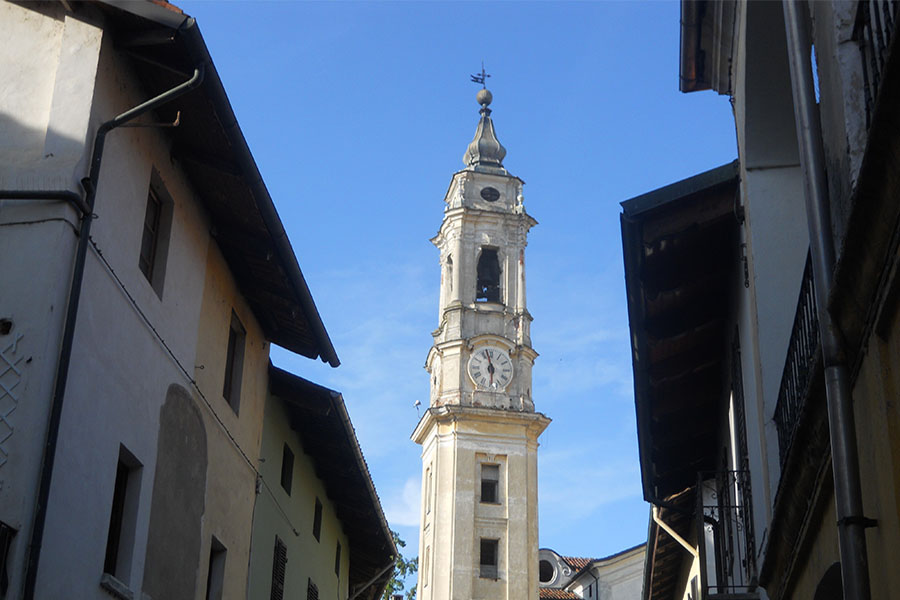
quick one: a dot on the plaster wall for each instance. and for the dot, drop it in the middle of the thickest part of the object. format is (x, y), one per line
(452, 526)
(878, 431)
(775, 231)
(290, 517)
(819, 549)
(842, 103)
(619, 578)
(132, 341)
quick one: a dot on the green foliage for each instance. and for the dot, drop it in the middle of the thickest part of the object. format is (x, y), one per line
(402, 569)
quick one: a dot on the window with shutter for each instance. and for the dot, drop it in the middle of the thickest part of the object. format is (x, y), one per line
(278, 565)
(312, 592)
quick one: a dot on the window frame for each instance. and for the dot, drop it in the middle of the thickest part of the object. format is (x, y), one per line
(234, 363)
(489, 483)
(489, 570)
(155, 234)
(287, 468)
(317, 520)
(120, 536)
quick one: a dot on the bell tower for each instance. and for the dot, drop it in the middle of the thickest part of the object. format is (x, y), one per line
(479, 532)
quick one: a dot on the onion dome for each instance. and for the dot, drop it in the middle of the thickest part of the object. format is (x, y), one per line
(485, 150)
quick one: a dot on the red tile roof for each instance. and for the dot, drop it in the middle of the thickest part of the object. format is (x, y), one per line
(577, 562)
(557, 594)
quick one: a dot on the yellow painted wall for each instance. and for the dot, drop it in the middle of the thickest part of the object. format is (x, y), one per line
(290, 517)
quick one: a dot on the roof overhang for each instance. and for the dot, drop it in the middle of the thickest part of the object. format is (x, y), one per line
(165, 46)
(680, 246)
(319, 416)
(706, 52)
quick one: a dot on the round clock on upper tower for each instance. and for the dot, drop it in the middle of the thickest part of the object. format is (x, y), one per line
(490, 368)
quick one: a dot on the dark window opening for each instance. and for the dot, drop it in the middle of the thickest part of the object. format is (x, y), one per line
(487, 288)
(287, 469)
(150, 238)
(490, 484)
(155, 236)
(545, 571)
(234, 364)
(278, 567)
(489, 555)
(7, 534)
(317, 521)
(122, 517)
(337, 560)
(312, 592)
(215, 577)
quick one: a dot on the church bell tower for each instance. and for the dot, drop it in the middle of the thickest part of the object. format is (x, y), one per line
(479, 436)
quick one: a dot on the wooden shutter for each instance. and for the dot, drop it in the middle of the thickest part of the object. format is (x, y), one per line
(278, 565)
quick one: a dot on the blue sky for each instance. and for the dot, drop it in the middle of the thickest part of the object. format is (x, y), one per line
(359, 113)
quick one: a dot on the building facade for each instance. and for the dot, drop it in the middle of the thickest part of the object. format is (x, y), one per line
(762, 306)
(615, 577)
(145, 274)
(479, 533)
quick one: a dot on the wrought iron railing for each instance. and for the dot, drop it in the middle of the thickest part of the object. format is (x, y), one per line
(728, 547)
(873, 30)
(798, 365)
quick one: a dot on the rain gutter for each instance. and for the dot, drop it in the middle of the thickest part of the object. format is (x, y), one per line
(851, 522)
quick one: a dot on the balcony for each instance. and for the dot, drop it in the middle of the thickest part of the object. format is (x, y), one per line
(803, 350)
(728, 551)
(873, 31)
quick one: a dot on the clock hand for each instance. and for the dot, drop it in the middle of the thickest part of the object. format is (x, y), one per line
(490, 368)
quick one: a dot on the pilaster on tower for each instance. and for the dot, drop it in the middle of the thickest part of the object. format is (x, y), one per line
(479, 436)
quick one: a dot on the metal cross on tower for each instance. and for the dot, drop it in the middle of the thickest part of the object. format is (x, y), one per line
(480, 77)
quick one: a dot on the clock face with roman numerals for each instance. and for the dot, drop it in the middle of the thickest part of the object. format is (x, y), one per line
(490, 368)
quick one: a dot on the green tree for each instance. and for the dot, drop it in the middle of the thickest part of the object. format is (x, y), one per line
(403, 568)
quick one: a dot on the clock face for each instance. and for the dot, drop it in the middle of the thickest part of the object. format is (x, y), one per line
(490, 194)
(490, 368)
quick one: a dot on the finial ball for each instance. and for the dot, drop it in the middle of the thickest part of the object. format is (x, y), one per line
(484, 97)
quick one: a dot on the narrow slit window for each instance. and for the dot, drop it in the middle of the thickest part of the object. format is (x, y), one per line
(234, 364)
(312, 592)
(287, 469)
(279, 562)
(490, 484)
(489, 558)
(155, 234)
(337, 560)
(317, 520)
(215, 577)
(488, 284)
(122, 517)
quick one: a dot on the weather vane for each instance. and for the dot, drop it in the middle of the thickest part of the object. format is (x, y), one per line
(480, 77)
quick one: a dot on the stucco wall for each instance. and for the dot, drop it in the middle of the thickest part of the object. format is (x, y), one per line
(131, 341)
(290, 517)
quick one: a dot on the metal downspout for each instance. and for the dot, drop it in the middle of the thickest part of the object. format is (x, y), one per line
(65, 353)
(654, 510)
(844, 454)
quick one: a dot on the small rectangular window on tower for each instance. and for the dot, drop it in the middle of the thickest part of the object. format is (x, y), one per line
(312, 592)
(487, 288)
(489, 558)
(317, 520)
(287, 469)
(490, 484)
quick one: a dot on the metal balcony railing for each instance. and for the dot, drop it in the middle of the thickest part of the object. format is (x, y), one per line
(798, 365)
(728, 548)
(873, 30)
